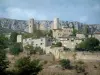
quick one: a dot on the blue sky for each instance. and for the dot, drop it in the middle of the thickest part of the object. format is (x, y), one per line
(85, 11)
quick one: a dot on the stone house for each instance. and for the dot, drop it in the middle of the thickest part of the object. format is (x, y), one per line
(40, 42)
(66, 31)
(70, 42)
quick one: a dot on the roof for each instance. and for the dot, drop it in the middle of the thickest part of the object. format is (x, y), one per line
(58, 29)
(69, 37)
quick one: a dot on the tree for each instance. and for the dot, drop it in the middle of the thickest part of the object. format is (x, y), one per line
(30, 49)
(65, 63)
(3, 42)
(50, 33)
(13, 37)
(33, 50)
(86, 31)
(3, 61)
(89, 44)
(58, 44)
(25, 66)
(74, 32)
(16, 48)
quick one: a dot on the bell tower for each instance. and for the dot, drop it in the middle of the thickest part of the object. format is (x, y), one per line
(31, 25)
(56, 23)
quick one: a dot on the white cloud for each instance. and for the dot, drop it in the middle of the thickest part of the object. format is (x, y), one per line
(19, 13)
(83, 19)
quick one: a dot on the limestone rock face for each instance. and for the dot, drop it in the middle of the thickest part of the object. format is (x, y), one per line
(22, 25)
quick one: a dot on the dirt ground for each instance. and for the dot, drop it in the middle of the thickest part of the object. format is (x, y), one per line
(52, 67)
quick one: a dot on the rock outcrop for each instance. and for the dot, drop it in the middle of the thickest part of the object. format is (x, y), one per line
(22, 25)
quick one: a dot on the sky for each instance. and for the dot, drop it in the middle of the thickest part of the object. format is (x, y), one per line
(85, 11)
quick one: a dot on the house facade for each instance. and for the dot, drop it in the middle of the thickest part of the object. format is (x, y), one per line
(41, 42)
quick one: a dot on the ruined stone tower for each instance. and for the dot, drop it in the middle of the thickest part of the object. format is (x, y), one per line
(31, 25)
(56, 23)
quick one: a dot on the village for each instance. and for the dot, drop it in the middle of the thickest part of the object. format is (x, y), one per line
(64, 35)
(61, 50)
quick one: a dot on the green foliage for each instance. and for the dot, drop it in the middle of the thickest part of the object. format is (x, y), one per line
(3, 42)
(58, 44)
(86, 31)
(89, 44)
(27, 35)
(74, 32)
(25, 66)
(3, 61)
(39, 33)
(36, 34)
(16, 48)
(66, 49)
(97, 48)
(65, 63)
(13, 37)
(50, 34)
(80, 67)
(33, 50)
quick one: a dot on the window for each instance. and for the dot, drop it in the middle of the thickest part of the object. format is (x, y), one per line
(36, 44)
(48, 39)
(41, 39)
(41, 43)
(72, 40)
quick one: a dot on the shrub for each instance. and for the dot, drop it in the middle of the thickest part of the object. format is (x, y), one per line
(97, 48)
(16, 49)
(80, 67)
(3, 61)
(66, 49)
(13, 37)
(25, 66)
(88, 45)
(3, 42)
(33, 50)
(30, 49)
(65, 63)
(58, 44)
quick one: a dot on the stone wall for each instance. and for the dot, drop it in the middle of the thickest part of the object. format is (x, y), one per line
(60, 54)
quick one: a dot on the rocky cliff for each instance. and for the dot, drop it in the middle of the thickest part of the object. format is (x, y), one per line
(22, 25)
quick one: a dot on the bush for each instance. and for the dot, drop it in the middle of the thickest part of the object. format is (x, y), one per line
(66, 49)
(88, 45)
(65, 63)
(97, 48)
(13, 37)
(30, 49)
(25, 66)
(3, 42)
(80, 67)
(16, 49)
(58, 44)
(3, 62)
(33, 50)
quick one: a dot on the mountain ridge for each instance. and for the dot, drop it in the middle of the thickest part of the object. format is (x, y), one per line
(22, 25)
